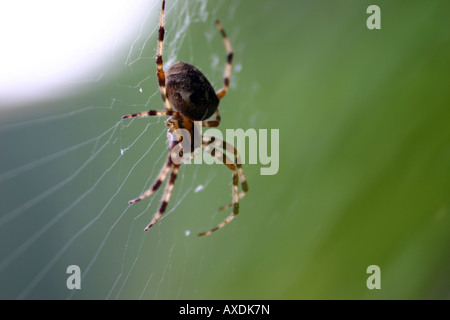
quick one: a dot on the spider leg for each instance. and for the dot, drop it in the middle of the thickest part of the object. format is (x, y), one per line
(159, 180)
(166, 196)
(212, 123)
(190, 157)
(235, 179)
(168, 191)
(159, 60)
(237, 161)
(226, 77)
(152, 113)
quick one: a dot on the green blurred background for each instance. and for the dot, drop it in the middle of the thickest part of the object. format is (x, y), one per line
(364, 175)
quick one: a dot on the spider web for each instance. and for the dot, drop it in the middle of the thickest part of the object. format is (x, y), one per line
(69, 165)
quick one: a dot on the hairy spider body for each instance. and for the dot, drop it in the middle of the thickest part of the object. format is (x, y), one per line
(188, 96)
(189, 92)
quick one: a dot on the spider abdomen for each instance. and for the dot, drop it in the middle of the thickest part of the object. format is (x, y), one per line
(190, 92)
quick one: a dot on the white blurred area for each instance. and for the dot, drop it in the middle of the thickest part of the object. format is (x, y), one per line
(50, 46)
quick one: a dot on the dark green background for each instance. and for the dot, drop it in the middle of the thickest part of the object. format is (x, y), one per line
(364, 177)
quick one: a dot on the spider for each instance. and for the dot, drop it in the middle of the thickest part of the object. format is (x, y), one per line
(189, 97)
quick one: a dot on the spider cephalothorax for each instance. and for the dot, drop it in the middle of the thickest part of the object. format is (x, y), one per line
(188, 96)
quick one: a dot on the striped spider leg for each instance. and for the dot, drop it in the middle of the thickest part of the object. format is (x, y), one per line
(212, 145)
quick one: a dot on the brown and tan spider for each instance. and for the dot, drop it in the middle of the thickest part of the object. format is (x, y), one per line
(188, 96)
